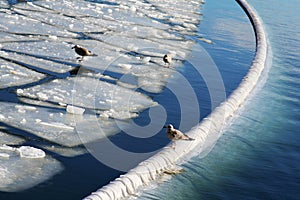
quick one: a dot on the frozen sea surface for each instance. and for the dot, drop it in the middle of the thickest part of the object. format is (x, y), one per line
(48, 95)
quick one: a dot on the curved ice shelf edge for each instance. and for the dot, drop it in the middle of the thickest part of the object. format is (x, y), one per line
(165, 160)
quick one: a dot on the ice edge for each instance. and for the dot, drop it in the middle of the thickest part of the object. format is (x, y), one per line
(150, 169)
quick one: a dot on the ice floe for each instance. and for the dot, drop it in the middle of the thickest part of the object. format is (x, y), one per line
(75, 110)
(90, 93)
(13, 75)
(57, 126)
(41, 56)
(30, 152)
(6, 138)
(24, 167)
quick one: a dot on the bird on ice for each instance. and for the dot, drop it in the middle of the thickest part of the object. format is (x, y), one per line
(174, 134)
(82, 52)
(167, 59)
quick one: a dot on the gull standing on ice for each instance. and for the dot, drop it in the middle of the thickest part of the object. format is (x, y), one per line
(174, 134)
(167, 59)
(82, 52)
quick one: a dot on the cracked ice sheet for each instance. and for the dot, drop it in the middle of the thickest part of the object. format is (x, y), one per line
(91, 93)
(56, 125)
(12, 75)
(24, 167)
(11, 22)
(60, 21)
(48, 55)
(6, 38)
(124, 26)
(10, 139)
(4, 4)
(139, 58)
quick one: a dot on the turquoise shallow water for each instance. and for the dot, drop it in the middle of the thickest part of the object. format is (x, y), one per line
(258, 156)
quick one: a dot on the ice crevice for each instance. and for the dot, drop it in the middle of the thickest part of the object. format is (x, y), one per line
(205, 133)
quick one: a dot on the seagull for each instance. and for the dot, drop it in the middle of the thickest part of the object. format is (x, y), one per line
(82, 52)
(174, 134)
(167, 59)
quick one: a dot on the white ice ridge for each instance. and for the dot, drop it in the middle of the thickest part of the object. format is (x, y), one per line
(24, 167)
(205, 133)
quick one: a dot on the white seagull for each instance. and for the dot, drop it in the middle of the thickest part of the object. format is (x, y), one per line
(82, 52)
(174, 134)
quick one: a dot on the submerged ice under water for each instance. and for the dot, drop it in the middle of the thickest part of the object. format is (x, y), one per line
(38, 69)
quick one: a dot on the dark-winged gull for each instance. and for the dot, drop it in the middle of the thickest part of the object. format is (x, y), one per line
(82, 52)
(167, 59)
(174, 134)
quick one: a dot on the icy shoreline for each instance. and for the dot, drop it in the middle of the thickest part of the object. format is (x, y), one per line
(166, 159)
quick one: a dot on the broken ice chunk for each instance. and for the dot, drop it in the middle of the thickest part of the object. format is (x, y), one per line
(31, 152)
(75, 110)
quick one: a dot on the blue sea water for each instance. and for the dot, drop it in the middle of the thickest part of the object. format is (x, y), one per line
(258, 155)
